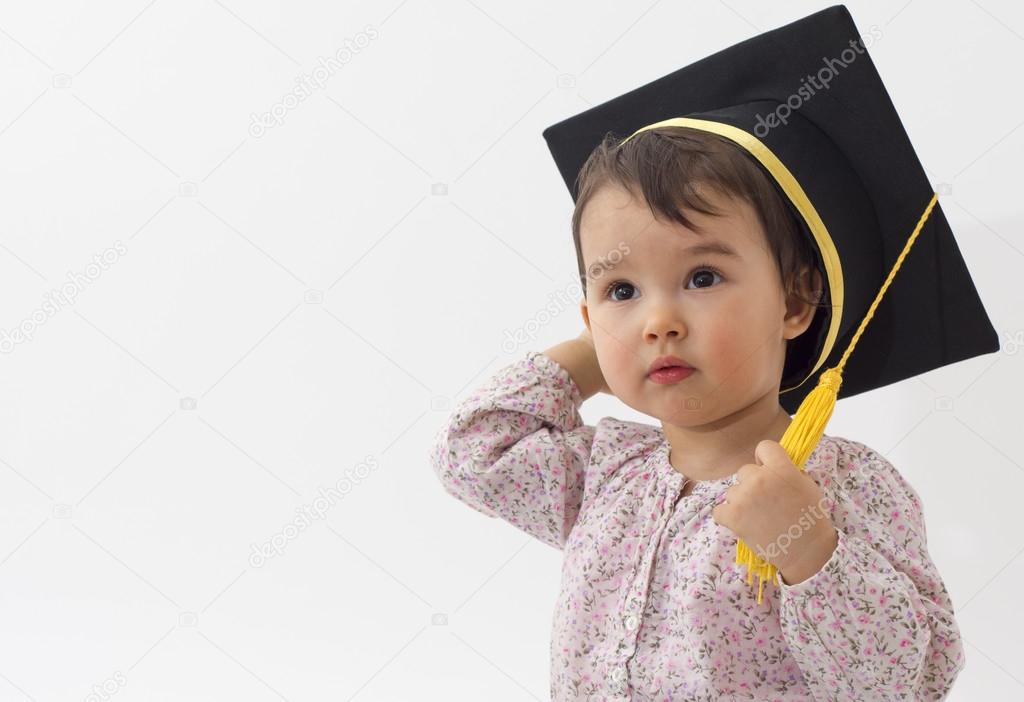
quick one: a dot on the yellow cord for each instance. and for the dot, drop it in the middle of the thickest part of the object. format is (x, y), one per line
(808, 425)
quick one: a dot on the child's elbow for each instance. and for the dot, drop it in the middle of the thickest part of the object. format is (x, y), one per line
(458, 470)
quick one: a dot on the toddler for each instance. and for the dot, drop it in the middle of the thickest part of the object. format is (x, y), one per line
(697, 285)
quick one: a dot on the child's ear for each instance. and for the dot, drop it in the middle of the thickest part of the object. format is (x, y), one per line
(585, 314)
(799, 313)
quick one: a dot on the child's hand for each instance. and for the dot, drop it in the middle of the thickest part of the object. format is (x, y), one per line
(595, 368)
(577, 356)
(780, 512)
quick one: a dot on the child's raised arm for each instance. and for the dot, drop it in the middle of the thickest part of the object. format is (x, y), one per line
(876, 622)
(517, 448)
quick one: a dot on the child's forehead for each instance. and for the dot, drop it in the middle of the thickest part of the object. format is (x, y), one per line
(616, 204)
(615, 217)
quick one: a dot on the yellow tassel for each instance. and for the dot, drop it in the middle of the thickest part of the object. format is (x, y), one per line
(808, 425)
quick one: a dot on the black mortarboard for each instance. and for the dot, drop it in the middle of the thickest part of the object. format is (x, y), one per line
(846, 167)
(806, 102)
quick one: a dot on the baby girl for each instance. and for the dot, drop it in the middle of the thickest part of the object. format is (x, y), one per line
(696, 285)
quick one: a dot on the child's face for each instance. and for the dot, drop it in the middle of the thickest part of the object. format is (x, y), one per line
(730, 325)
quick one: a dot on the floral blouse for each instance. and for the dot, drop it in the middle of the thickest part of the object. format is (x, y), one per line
(652, 605)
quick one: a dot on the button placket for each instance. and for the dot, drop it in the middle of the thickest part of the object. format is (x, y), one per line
(659, 522)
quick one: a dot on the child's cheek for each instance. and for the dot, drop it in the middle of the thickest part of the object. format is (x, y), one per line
(730, 350)
(622, 365)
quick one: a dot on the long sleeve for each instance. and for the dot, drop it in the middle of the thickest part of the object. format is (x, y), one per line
(517, 448)
(876, 622)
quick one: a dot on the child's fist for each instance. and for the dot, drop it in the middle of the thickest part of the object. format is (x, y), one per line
(780, 512)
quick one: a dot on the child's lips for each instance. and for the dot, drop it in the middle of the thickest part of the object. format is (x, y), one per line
(667, 361)
(671, 374)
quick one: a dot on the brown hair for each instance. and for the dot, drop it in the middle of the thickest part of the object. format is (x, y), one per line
(670, 166)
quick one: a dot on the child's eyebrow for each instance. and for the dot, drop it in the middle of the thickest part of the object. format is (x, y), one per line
(708, 247)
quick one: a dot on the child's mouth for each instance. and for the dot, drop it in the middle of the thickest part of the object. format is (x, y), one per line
(670, 374)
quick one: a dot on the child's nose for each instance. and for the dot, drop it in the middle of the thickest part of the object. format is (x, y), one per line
(664, 322)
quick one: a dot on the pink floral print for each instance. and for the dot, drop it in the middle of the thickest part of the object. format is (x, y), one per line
(652, 605)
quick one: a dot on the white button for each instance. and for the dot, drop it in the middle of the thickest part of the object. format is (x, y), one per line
(618, 674)
(631, 622)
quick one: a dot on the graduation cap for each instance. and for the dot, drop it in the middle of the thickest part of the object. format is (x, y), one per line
(807, 104)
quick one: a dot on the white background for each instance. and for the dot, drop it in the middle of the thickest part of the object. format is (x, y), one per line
(304, 306)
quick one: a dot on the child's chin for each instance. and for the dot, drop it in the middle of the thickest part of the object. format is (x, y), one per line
(683, 408)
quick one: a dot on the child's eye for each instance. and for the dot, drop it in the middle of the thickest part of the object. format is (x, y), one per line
(701, 272)
(609, 292)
